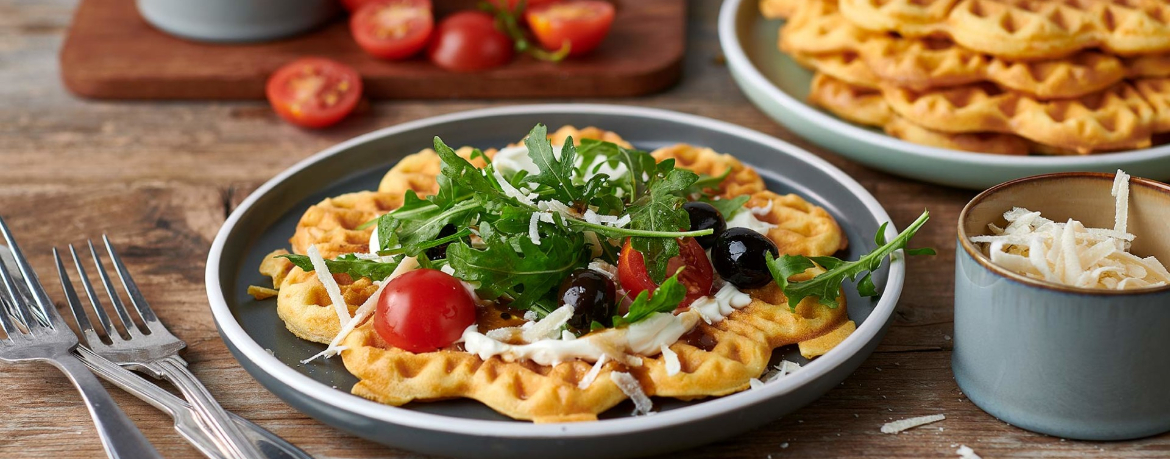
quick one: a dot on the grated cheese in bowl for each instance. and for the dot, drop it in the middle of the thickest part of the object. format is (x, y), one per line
(1069, 253)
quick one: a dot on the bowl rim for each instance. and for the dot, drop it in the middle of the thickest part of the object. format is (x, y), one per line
(977, 255)
(738, 61)
(233, 332)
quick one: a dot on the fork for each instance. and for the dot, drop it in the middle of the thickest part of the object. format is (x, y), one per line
(36, 332)
(156, 352)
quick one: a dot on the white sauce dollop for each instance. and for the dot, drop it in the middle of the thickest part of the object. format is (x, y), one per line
(748, 220)
(726, 301)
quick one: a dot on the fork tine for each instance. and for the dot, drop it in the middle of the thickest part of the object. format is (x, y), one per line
(94, 299)
(136, 297)
(83, 323)
(14, 296)
(119, 308)
(5, 321)
(44, 306)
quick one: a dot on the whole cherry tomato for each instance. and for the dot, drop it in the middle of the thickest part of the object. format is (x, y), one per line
(583, 24)
(314, 92)
(392, 29)
(423, 310)
(698, 275)
(469, 41)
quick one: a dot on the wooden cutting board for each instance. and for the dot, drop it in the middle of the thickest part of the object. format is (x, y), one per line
(112, 53)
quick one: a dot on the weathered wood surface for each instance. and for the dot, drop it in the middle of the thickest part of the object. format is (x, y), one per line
(160, 178)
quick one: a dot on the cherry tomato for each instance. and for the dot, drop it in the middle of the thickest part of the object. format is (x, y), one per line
(392, 29)
(468, 41)
(314, 92)
(511, 4)
(354, 5)
(697, 275)
(423, 310)
(582, 24)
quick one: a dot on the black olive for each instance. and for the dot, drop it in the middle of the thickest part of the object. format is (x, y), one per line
(592, 296)
(705, 216)
(738, 256)
(440, 251)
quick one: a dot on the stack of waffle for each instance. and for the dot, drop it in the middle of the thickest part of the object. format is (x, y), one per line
(1058, 77)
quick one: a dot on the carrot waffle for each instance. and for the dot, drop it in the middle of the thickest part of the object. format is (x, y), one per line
(1023, 29)
(818, 36)
(867, 106)
(718, 356)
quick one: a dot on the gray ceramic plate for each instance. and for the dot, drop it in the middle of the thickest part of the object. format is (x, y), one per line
(779, 87)
(465, 428)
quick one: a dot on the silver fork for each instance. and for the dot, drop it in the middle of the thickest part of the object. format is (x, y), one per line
(36, 332)
(156, 352)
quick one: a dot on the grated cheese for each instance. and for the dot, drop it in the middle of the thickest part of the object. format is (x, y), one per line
(673, 366)
(904, 424)
(549, 327)
(965, 452)
(363, 311)
(592, 374)
(510, 190)
(1069, 253)
(630, 386)
(761, 211)
(755, 383)
(330, 284)
(533, 228)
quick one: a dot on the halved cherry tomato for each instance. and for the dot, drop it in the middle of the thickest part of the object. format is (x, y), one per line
(392, 29)
(583, 24)
(314, 92)
(697, 276)
(468, 41)
(423, 310)
(511, 4)
(354, 5)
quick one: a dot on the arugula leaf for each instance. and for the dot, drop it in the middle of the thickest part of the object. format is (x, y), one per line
(554, 173)
(827, 285)
(516, 268)
(707, 182)
(728, 207)
(661, 210)
(349, 264)
(665, 299)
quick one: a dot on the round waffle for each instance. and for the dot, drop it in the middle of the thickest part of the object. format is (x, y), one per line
(1023, 29)
(716, 359)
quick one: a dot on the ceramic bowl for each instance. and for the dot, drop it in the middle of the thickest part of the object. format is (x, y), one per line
(1069, 362)
(236, 21)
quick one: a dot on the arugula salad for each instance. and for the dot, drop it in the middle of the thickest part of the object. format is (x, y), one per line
(580, 237)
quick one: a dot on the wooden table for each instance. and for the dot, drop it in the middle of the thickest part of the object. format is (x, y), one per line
(161, 177)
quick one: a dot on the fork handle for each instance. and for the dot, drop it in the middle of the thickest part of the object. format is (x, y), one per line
(231, 440)
(120, 437)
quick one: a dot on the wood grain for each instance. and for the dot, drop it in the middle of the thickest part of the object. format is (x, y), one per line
(112, 53)
(160, 178)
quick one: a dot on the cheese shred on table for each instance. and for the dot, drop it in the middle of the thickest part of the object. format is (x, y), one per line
(903, 424)
(1071, 254)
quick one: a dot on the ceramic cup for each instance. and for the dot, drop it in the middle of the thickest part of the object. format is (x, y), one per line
(233, 21)
(1069, 362)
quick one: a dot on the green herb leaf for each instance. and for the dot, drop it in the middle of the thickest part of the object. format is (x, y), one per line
(665, 299)
(661, 210)
(707, 182)
(728, 207)
(827, 285)
(515, 268)
(554, 173)
(347, 264)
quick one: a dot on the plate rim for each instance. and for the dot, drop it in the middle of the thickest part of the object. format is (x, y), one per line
(738, 62)
(232, 331)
